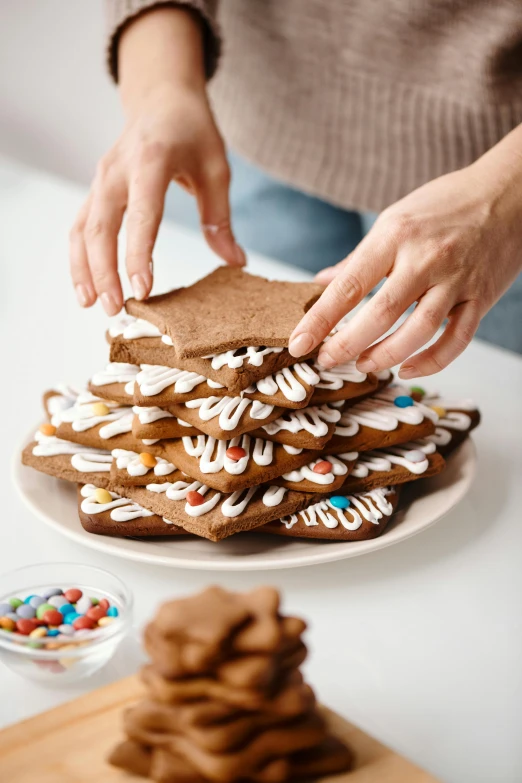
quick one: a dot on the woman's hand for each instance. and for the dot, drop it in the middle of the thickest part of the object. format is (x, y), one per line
(170, 134)
(454, 246)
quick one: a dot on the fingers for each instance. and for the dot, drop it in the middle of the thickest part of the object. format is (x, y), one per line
(144, 212)
(373, 320)
(78, 261)
(462, 325)
(416, 331)
(370, 262)
(212, 194)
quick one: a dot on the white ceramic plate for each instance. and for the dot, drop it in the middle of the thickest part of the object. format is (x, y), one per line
(423, 503)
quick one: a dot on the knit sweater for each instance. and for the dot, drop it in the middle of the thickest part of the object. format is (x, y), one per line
(357, 101)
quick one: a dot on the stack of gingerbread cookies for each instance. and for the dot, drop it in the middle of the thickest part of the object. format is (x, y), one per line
(203, 423)
(225, 700)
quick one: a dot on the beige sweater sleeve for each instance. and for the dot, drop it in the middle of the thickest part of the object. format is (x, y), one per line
(120, 13)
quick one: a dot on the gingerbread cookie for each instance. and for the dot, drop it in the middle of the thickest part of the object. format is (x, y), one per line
(129, 467)
(66, 460)
(342, 382)
(394, 465)
(457, 418)
(386, 419)
(153, 424)
(323, 474)
(107, 514)
(59, 399)
(243, 309)
(341, 517)
(290, 387)
(140, 342)
(96, 423)
(115, 383)
(308, 428)
(231, 465)
(226, 417)
(205, 512)
(164, 386)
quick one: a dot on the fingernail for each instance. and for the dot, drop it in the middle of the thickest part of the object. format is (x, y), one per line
(325, 275)
(109, 304)
(366, 365)
(325, 360)
(83, 295)
(408, 371)
(301, 344)
(139, 286)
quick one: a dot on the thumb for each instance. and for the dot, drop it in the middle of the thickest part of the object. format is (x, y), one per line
(212, 194)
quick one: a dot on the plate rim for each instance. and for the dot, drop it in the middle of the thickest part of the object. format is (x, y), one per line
(327, 554)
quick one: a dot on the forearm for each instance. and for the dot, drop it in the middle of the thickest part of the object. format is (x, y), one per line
(162, 48)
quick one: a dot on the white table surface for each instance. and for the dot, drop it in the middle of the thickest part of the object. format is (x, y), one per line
(420, 644)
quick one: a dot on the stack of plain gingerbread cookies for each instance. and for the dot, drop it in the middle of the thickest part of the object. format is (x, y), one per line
(204, 424)
(225, 700)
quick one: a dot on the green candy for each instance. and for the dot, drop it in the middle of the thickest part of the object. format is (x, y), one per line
(34, 645)
(43, 608)
(418, 390)
(94, 601)
(15, 602)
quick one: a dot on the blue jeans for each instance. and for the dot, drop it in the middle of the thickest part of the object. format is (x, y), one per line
(281, 222)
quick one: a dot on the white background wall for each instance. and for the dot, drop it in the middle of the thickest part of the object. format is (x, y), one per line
(58, 109)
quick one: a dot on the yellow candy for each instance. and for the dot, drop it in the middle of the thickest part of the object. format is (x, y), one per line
(149, 460)
(100, 409)
(102, 496)
(47, 429)
(38, 633)
(439, 410)
(103, 621)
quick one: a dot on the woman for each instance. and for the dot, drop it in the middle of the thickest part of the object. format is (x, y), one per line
(413, 110)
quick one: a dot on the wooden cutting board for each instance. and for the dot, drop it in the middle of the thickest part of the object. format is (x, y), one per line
(69, 744)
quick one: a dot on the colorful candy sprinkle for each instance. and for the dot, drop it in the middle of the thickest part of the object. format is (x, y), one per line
(339, 501)
(403, 401)
(102, 496)
(42, 609)
(322, 467)
(73, 595)
(235, 453)
(417, 390)
(194, 498)
(439, 410)
(48, 429)
(100, 409)
(7, 624)
(148, 460)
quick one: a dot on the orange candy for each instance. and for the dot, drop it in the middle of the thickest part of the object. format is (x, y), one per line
(47, 429)
(322, 467)
(149, 460)
(7, 624)
(194, 498)
(236, 453)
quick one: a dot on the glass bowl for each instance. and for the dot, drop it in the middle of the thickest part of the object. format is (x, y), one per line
(74, 657)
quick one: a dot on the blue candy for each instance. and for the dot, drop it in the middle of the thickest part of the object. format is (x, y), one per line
(53, 632)
(112, 612)
(402, 401)
(5, 608)
(28, 599)
(339, 501)
(66, 609)
(71, 617)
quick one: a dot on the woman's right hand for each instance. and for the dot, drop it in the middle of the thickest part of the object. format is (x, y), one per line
(170, 134)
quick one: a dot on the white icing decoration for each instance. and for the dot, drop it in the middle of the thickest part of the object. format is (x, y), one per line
(314, 419)
(131, 328)
(335, 378)
(237, 357)
(131, 462)
(380, 413)
(231, 508)
(324, 512)
(287, 381)
(117, 372)
(122, 509)
(210, 462)
(291, 449)
(229, 409)
(118, 427)
(66, 397)
(306, 472)
(83, 458)
(179, 491)
(149, 415)
(154, 378)
(273, 496)
(82, 417)
(440, 437)
(383, 460)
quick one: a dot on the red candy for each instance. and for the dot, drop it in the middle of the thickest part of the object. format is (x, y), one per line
(104, 604)
(25, 626)
(236, 453)
(322, 467)
(53, 617)
(83, 622)
(96, 613)
(73, 595)
(194, 498)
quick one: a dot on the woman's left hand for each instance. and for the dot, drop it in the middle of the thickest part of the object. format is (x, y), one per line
(454, 246)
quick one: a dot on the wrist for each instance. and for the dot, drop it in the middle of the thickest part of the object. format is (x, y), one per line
(161, 52)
